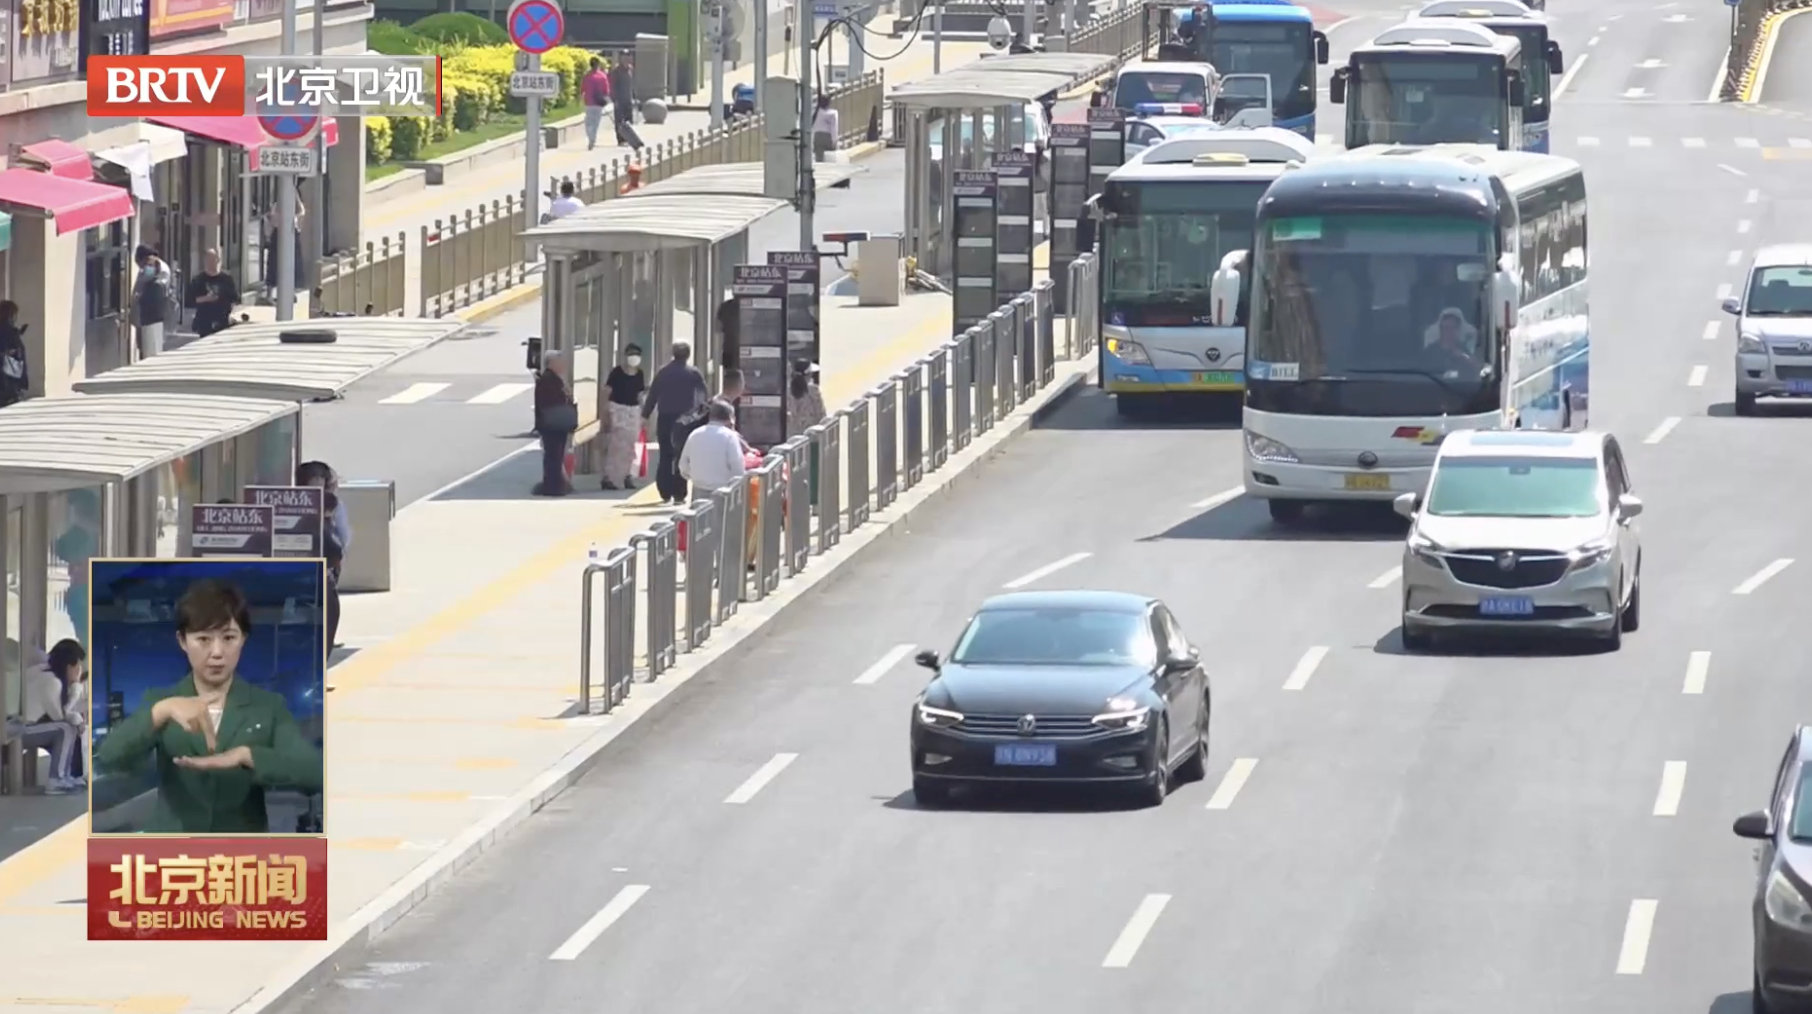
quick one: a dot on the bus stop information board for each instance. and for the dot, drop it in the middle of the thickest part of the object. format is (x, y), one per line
(973, 222)
(760, 291)
(231, 529)
(301, 513)
(802, 335)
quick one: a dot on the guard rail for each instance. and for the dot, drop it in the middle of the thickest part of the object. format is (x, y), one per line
(661, 598)
(472, 256)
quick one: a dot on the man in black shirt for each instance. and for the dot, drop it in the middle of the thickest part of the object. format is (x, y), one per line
(677, 389)
(213, 294)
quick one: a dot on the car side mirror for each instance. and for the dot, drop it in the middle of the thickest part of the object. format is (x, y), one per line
(929, 660)
(1405, 505)
(1629, 506)
(1337, 86)
(1756, 826)
(1732, 307)
(1184, 662)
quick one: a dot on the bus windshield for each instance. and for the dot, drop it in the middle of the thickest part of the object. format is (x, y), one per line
(1282, 52)
(1427, 99)
(1533, 63)
(1375, 315)
(1165, 239)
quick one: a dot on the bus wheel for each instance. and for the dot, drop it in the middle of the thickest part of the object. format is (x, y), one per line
(1133, 406)
(1286, 512)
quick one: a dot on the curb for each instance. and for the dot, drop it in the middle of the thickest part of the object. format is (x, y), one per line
(727, 643)
(1755, 66)
(510, 299)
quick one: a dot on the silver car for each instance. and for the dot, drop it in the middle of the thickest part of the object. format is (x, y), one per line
(1774, 327)
(1520, 530)
(1781, 911)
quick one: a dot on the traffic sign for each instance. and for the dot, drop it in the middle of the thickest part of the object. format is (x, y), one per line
(288, 159)
(534, 83)
(536, 26)
(282, 122)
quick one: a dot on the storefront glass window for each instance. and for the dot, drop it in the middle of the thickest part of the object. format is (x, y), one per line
(107, 272)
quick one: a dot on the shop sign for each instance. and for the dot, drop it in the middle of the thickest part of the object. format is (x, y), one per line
(115, 28)
(46, 40)
(186, 17)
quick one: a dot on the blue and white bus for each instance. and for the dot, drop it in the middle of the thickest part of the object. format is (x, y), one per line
(1398, 294)
(1433, 81)
(1541, 60)
(1168, 219)
(1273, 38)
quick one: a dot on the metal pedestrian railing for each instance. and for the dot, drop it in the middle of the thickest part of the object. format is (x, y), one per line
(666, 592)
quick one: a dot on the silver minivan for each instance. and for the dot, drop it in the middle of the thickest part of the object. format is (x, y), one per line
(1774, 327)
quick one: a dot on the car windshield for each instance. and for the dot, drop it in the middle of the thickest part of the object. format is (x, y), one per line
(1511, 487)
(1780, 292)
(1800, 827)
(1055, 637)
(1142, 87)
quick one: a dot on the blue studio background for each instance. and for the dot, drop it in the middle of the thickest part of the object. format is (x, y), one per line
(133, 649)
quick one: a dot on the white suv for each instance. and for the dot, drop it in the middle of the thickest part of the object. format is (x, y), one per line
(1523, 530)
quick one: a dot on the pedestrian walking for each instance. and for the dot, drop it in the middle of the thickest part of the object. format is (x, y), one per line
(713, 455)
(15, 367)
(675, 391)
(151, 300)
(594, 90)
(825, 129)
(556, 418)
(212, 294)
(336, 536)
(622, 91)
(623, 417)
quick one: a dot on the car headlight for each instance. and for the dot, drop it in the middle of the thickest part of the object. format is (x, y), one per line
(937, 718)
(1129, 352)
(1266, 449)
(1425, 549)
(1123, 713)
(1591, 554)
(1785, 905)
(1749, 343)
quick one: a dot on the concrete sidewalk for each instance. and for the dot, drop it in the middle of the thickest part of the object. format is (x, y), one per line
(452, 702)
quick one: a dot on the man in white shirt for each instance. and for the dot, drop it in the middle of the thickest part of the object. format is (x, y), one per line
(565, 204)
(825, 128)
(44, 723)
(712, 457)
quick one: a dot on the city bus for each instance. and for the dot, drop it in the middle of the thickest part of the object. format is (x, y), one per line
(1541, 62)
(1398, 294)
(1433, 81)
(1279, 41)
(1167, 220)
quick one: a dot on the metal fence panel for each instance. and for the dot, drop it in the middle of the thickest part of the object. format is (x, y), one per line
(912, 421)
(800, 453)
(661, 543)
(700, 519)
(733, 548)
(1006, 341)
(886, 400)
(767, 496)
(369, 282)
(616, 573)
(987, 361)
(829, 437)
(962, 389)
(858, 450)
(938, 369)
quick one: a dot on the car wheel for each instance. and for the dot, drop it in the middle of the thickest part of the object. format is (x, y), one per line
(1157, 784)
(1612, 640)
(1632, 610)
(929, 794)
(1195, 767)
(1286, 512)
(1745, 404)
(1413, 639)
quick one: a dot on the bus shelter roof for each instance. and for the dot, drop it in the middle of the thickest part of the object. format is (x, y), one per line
(50, 445)
(1001, 81)
(250, 360)
(699, 207)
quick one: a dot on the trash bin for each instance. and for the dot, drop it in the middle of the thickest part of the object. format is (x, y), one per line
(370, 507)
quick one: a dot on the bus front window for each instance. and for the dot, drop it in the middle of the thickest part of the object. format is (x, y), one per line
(1283, 53)
(1534, 65)
(1423, 99)
(1165, 241)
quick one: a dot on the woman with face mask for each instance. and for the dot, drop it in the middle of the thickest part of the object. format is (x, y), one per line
(623, 421)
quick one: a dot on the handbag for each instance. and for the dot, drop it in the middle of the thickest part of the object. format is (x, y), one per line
(642, 446)
(560, 418)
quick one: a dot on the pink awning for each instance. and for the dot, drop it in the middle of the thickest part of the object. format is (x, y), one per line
(73, 204)
(239, 131)
(60, 158)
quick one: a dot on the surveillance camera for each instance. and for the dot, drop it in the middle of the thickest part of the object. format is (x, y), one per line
(1000, 33)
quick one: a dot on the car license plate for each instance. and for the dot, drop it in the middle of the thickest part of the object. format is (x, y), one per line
(1221, 378)
(1507, 605)
(1369, 481)
(1026, 755)
(1799, 387)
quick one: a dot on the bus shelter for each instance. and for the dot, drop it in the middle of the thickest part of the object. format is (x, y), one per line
(956, 112)
(672, 247)
(86, 477)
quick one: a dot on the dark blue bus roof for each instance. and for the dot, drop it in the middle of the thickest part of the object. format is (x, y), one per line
(1259, 10)
(1381, 184)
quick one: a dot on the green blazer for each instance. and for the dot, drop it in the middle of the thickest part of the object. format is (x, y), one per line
(215, 802)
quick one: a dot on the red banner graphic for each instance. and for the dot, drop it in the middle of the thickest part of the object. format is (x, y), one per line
(144, 888)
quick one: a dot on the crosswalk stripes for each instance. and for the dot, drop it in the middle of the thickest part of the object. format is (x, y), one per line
(436, 391)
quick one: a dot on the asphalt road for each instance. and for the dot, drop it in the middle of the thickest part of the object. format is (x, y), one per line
(437, 435)
(1789, 75)
(1496, 833)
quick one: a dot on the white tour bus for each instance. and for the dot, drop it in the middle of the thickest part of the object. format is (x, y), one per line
(1168, 218)
(1397, 295)
(1541, 61)
(1433, 81)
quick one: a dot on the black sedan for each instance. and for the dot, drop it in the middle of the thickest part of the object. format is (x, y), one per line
(1782, 908)
(1063, 686)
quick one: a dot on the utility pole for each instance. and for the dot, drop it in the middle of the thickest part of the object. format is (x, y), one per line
(808, 103)
(761, 50)
(314, 214)
(937, 37)
(285, 255)
(1027, 22)
(714, 37)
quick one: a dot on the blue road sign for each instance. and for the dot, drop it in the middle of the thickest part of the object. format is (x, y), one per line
(281, 122)
(823, 10)
(536, 26)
